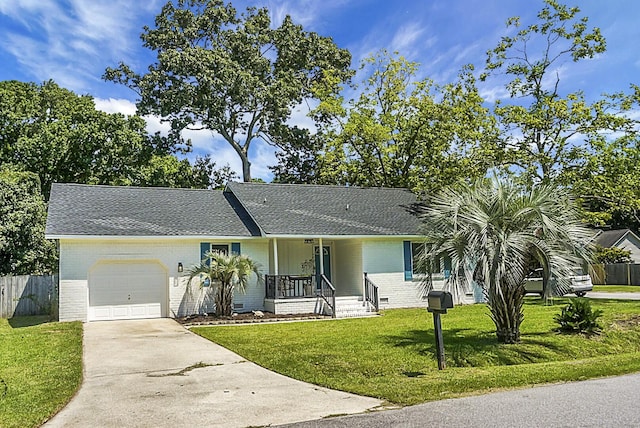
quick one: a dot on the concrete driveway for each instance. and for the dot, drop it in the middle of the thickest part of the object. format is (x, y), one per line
(154, 373)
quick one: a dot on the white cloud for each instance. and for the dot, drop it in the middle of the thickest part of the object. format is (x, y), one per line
(73, 41)
(409, 39)
(303, 12)
(494, 93)
(115, 105)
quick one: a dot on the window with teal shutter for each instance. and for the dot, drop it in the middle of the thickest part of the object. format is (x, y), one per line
(447, 267)
(204, 249)
(408, 270)
(235, 248)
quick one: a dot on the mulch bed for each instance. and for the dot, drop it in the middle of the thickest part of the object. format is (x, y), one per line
(246, 318)
(630, 322)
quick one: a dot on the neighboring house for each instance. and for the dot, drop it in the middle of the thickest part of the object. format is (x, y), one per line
(125, 252)
(624, 239)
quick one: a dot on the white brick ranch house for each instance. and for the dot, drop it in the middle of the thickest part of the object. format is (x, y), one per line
(125, 252)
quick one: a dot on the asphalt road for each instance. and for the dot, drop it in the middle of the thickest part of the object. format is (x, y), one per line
(606, 295)
(608, 402)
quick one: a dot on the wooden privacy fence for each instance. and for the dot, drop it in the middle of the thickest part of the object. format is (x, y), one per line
(28, 295)
(616, 274)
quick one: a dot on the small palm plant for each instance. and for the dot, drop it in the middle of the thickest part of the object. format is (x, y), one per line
(579, 317)
(491, 230)
(225, 273)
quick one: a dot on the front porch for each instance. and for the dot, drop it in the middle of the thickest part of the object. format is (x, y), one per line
(298, 294)
(322, 276)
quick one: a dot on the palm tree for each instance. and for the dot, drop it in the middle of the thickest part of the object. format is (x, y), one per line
(491, 231)
(225, 273)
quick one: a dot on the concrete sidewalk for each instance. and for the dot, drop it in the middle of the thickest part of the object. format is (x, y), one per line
(154, 373)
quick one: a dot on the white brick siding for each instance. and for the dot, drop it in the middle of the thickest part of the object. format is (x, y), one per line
(78, 257)
(296, 306)
(383, 259)
(73, 300)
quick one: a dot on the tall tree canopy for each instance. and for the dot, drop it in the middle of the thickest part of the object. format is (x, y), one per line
(401, 131)
(546, 131)
(233, 75)
(23, 249)
(607, 182)
(60, 136)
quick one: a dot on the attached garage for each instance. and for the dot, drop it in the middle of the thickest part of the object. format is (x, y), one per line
(127, 290)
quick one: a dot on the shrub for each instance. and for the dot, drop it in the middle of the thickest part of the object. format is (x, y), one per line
(579, 317)
(611, 255)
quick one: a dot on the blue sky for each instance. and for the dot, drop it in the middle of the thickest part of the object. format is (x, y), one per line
(73, 41)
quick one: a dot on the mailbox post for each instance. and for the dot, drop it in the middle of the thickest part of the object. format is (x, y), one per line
(437, 303)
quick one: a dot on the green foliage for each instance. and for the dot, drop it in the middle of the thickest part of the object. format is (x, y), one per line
(234, 75)
(491, 230)
(23, 249)
(608, 182)
(61, 137)
(393, 356)
(611, 255)
(404, 132)
(579, 317)
(40, 367)
(552, 134)
(168, 171)
(225, 273)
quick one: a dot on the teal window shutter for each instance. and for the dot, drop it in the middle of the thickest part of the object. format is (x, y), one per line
(408, 270)
(447, 266)
(204, 248)
(235, 248)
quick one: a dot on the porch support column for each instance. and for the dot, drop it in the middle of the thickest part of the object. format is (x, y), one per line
(321, 252)
(275, 256)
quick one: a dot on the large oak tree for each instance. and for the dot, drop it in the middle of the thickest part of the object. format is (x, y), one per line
(234, 75)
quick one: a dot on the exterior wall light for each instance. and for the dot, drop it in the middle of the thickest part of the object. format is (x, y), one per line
(180, 267)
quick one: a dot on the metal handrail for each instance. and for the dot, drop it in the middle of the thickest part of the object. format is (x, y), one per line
(328, 293)
(371, 292)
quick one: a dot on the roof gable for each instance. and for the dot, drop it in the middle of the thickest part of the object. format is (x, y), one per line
(609, 238)
(314, 210)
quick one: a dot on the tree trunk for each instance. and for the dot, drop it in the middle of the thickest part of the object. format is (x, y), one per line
(506, 311)
(246, 167)
(246, 170)
(224, 300)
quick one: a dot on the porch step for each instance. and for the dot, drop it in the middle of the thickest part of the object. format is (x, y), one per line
(352, 311)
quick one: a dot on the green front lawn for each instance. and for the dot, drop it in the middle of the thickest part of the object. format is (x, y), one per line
(393, 356)
(40, 369)
(617, 288)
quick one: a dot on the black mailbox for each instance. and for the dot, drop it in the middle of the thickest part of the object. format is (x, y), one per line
(439, 301)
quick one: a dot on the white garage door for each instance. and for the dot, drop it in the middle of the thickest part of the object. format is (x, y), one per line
(127, 290)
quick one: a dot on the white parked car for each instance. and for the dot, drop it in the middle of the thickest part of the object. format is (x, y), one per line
(580, 283)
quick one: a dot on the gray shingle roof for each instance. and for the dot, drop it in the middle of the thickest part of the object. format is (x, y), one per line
(609, 238)
(76, 209)
(295, 209)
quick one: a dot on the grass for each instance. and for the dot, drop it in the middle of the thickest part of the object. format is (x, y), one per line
(392, 357)
(40, 369)
(617, 288)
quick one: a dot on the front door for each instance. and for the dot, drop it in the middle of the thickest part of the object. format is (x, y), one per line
(326, 260)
